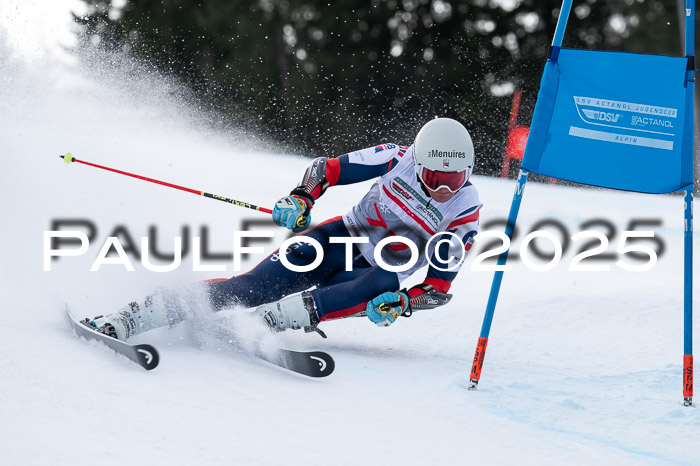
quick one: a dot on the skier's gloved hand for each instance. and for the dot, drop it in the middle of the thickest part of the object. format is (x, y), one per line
(387, 307)
(293, 212)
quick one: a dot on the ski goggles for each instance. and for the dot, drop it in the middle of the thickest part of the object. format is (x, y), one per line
(434, 180)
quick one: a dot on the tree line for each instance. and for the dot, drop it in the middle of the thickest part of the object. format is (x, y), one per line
(327, 77)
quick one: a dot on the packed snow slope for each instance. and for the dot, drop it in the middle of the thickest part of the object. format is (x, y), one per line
(581, 367)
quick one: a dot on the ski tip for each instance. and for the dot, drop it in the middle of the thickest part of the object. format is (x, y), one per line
(148, 356)
(321, 364)
(330, 368)
(68, 157)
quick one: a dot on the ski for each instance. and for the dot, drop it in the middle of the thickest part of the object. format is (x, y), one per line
(144, 355)
(309, 363)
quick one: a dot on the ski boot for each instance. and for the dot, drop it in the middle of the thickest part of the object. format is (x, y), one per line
(293, 312)
(106, 328)
(119, 325)
(132, 319)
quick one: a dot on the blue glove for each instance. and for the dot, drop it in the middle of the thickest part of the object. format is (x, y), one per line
(387, 307)
(293, 212)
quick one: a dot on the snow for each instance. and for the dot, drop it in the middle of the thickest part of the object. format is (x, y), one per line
(580, 368)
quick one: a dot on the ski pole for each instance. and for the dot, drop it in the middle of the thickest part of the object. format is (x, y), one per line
(69, 158)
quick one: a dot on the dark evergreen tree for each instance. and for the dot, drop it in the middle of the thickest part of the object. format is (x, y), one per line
(327, 77)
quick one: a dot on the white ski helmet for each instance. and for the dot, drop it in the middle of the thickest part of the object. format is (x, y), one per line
(444, 154)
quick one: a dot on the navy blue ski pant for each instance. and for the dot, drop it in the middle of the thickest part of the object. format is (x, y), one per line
(339, 293)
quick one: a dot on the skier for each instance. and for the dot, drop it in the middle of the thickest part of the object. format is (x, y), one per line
(422, 191)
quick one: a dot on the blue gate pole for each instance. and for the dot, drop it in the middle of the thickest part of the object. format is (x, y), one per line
(688, 302)
(478, 362)
(561, 23)
(475, 373)
(688, 215)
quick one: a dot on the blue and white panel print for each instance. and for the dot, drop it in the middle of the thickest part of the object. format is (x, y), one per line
(612, 119)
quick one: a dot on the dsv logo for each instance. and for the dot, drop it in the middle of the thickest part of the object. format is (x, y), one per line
(601, 116)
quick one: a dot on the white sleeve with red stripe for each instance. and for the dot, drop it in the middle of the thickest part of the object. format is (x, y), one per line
(376, 155)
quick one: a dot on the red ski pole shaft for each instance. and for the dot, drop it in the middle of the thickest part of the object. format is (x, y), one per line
(69, 158)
